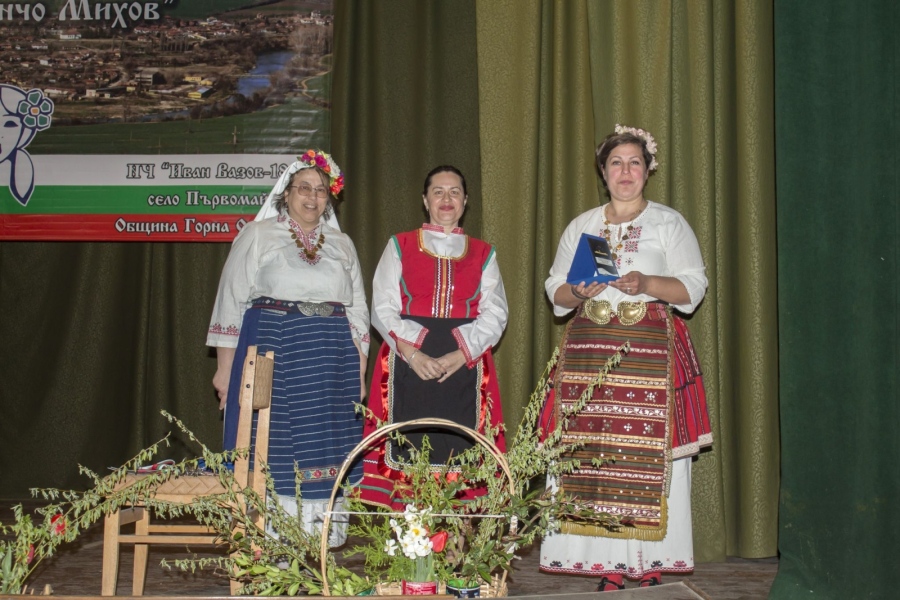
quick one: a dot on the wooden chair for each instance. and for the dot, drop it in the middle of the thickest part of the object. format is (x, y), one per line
(255, 395)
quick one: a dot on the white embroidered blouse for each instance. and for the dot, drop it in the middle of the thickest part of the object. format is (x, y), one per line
(661, 243)
(478, 336)
(265, 261)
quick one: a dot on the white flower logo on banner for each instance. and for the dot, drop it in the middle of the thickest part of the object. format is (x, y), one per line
(22, 115)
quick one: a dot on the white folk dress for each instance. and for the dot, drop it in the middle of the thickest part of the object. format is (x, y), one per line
(660, 243)
(317, 364)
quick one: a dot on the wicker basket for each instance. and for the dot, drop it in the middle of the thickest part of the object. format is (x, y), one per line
(497, 587)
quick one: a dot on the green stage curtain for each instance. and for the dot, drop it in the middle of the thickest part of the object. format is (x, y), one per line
(838, 144)
(547, 81)
(97, 338)
(405, 100)
(577, 70)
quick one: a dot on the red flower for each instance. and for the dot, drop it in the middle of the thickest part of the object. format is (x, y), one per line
(59, 524)
(257, 554)
(30, 556)
(438, 541)
(320, 161)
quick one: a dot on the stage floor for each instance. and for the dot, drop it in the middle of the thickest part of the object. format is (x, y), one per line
(75, 571)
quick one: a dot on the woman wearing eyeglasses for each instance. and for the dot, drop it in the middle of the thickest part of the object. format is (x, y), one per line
(439, 304)
(292, 284)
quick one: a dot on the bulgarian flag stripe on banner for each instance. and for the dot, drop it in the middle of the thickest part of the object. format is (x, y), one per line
(203, 197)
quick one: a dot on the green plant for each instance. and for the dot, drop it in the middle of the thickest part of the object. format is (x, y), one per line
(68, 514)
(255, 554)
(279, 559)
(484, 534)
(469, 541)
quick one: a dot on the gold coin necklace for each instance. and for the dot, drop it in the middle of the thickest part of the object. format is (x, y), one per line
(622, 237)
(309, 252)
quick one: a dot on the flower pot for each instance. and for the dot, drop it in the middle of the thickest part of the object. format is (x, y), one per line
(460, 589)
(419, 588)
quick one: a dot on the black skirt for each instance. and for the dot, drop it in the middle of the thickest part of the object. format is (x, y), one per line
(457, 399)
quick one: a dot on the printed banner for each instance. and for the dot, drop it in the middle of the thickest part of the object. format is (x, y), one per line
(155, 121)
(144, 198)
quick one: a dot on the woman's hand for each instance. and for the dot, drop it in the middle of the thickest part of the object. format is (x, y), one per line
(571, 295)
(667, 289)
(451, 362)
(422, 365)
(363, 364)
(425, 366)
(224, 360)
(633, 284)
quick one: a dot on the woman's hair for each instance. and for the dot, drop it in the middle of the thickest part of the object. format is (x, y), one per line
(615, 140)
(281, 199)
(444, 169)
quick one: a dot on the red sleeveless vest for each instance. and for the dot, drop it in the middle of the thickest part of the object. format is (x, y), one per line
(435, 286)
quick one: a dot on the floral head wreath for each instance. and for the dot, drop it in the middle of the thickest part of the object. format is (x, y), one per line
(309, 159)
(323, 160)
(649, 142)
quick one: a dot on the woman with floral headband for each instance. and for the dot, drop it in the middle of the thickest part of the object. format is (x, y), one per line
(649, 416)
(438, 302)
(292, 284)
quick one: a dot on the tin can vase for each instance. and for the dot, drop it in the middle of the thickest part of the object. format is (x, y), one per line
(460, 589)
(419, 588)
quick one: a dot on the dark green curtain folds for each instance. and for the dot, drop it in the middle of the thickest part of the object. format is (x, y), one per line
(96, 340)
(405, 100)
(516, 93)
(838, 131)
(519, 97)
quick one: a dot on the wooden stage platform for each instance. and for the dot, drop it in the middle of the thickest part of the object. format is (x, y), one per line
(75, 571)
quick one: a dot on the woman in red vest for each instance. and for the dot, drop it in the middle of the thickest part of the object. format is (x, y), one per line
(438, 302)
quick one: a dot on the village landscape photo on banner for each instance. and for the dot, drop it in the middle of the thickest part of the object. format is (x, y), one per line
(155, 121)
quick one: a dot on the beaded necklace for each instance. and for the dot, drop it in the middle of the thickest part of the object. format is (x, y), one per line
(617, 245)
(309, 251)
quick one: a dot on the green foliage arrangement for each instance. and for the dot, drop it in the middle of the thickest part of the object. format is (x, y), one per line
(468, 541)
(483, 534)
(27, 541)
(279, 560)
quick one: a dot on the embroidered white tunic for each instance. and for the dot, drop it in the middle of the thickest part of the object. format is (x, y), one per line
(478, 336)
(660, 243)
(265, 262)
(668, 247)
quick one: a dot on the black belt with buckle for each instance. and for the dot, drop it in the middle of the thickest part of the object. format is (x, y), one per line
(320, 309)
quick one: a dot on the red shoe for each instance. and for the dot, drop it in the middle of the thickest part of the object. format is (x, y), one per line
(609, 585)
(649, 580)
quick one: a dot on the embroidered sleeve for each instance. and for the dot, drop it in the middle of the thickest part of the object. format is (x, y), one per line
(235, 284)
(482, 334)
(358, 312)
(565, 252)
(685, 263)
(386, 302)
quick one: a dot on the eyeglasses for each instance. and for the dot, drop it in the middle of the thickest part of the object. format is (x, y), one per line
(304, 189)
(439, 193)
